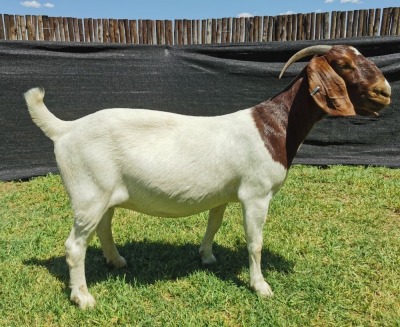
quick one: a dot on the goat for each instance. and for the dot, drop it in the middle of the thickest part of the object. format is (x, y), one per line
(172, 165)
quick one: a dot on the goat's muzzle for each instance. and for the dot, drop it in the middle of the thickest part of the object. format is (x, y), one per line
(376, 98)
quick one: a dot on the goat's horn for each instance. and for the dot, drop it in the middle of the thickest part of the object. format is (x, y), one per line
(309, 51)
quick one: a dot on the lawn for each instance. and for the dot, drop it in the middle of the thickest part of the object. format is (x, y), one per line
(331, 254)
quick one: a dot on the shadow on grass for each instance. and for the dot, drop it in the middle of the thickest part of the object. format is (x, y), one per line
(148, 262)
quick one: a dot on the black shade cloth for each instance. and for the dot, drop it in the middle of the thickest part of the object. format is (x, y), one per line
(81, 78)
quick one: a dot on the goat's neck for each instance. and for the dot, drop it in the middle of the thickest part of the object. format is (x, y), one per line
(285, 120)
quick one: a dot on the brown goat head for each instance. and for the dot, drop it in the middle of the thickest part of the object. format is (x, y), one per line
(367, 88)
(343, 82)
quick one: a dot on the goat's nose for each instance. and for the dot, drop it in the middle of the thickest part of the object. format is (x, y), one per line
(381, 92)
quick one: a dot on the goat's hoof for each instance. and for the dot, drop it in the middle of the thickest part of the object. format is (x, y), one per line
(207, 260)
(83, 299)
(263, 289)
(118, 263)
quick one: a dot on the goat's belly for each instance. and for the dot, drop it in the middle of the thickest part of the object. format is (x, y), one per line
(164, 204)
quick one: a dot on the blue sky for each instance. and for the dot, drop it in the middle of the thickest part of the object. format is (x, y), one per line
(175, 9)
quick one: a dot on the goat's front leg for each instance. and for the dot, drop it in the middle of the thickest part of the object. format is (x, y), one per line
(215, 216)
(254, 215)
(104, 233)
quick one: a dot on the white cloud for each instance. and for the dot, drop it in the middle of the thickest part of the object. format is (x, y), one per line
(31, 4)
(287, 13)
(351, 1)
(245, 14)
(329, 1)
(35, 4)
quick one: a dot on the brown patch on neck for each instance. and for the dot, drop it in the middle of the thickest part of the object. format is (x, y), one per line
(271, 121)
(284, 121)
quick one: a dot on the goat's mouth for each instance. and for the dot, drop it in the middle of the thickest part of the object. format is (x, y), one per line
(372, 103)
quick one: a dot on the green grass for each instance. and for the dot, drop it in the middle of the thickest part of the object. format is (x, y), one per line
(331, 255)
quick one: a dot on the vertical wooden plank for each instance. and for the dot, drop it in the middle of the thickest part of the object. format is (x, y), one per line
(95, 30)
(208, 31)
(28, 19)
(87, 31)
(153, 30)
(218, 37)
(224, 30)
(77, 34)
(163, 32)
(299, 26)
(271, 26)
(117, 34)
(2, 34)
(265, 29)
(121, 31)
(289, 28)
(23, 28)
(371, 20)
(203, 31)
(13, 28)
(242, 29)
(349, 24)
(229, 30)
(355, 23)
(169, 32)
(71, 31)
(57, 30)
(18, 28)
(326, 25)
(333, 24)
(158, 31)
(66, 29)
(6, 27)
(133, 31)
(377, 21)
(360, 31)
(98, 30)
(106, 30)
(384, 21)
(176, 42)
(126, 30)
(395, 30)
(313, 17)
(194, 31)
(234, 30)
(213, 30)
(80, 29)
(189, 32)
(184, 32)
(249, 29)
(256, 29)
(145, 27)
(40, 28)
(110, 31)
(52, 30)
(318, 26)
(343, 15)
(180, 32)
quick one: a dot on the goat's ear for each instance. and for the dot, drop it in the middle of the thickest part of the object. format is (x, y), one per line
(332, 94)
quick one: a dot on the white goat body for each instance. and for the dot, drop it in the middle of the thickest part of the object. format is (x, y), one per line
(170, 165)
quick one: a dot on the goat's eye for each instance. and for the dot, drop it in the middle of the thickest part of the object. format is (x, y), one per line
(344, 66)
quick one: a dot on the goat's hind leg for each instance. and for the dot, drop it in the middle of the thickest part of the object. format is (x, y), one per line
(214, 222)
(113, 258)
(84, 227)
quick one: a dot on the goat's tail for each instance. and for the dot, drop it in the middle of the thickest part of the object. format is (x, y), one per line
(42, 117)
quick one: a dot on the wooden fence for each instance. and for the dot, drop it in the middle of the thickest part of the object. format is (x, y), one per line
(313, 26)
